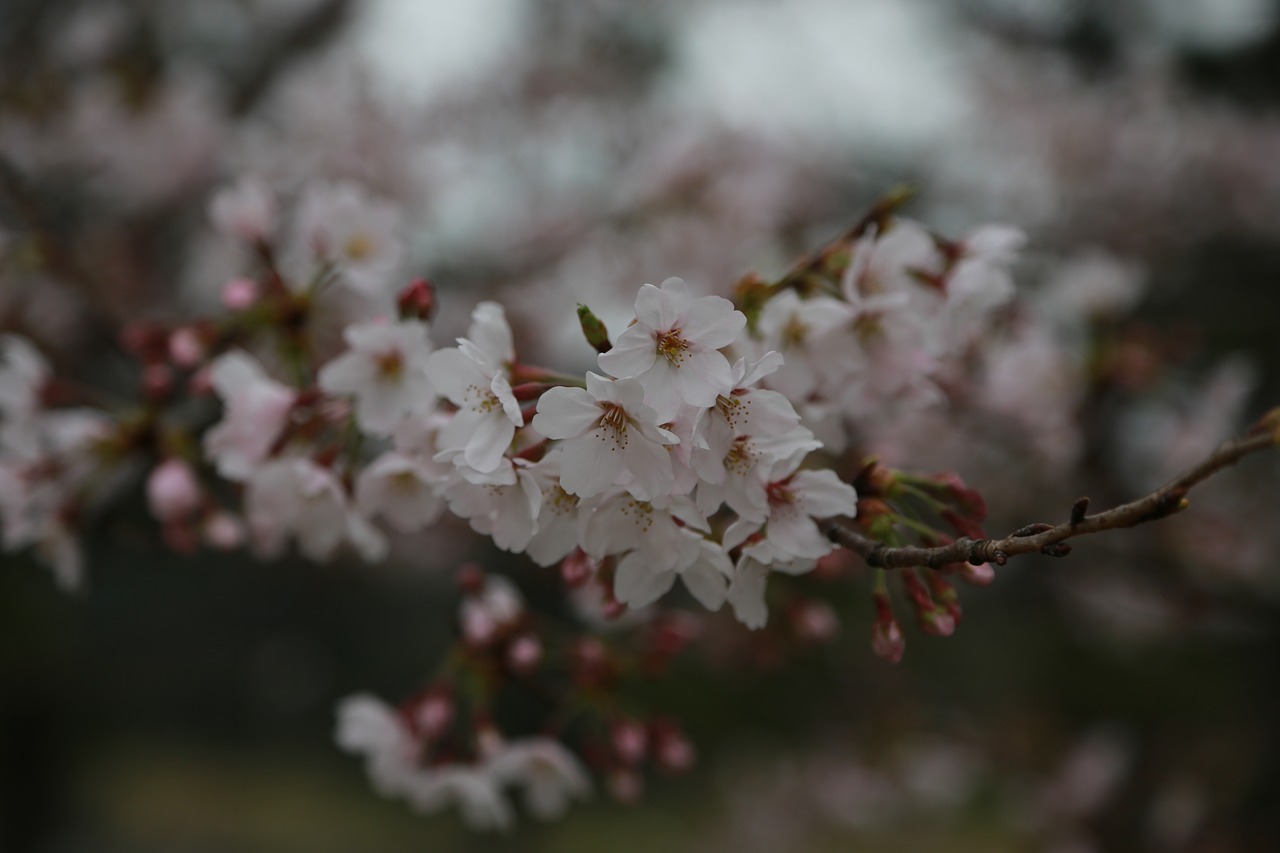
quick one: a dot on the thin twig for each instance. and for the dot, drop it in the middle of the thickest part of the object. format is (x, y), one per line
(1051, 539)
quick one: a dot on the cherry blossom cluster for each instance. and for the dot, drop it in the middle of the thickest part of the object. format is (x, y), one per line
(711, 443)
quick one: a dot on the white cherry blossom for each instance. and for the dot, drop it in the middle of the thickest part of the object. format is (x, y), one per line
(256, 409)
(402, 489)
(506, 509)
(796, 499)
(296, 497)
(549, 774)
(386, 370)
(340, 224)
(608, 431)
(673, 347)
(473, 376)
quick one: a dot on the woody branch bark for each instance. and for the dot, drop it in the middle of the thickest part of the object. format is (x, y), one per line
(1051, 539)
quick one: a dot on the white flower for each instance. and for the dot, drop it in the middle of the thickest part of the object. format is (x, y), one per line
(746, 592)
(795, 501)
(639, 581)
(402, 489)
(23, 372)
(257, 408)
(607, 430)
(672, 348)
(795, 328)
(740, 477)
(550, 775)
(505, 509)
(246, 211)
(474, 789)
(386, 371)
(473, 377)
(559, 521)
(497, 607)
(368, 726)
(341, 225)
(297, 497)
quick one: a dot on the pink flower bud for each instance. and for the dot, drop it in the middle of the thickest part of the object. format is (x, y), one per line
(157, 382)
(433, 715)
(478, 627)
(524, 654)
(630, 741)
(185, 347)
(240, 294)
(887, 641)
(172, 490)
(816, 622)
(983, 575)
(223, 531)
(418, 300)
(674, 752)
(938, 622)
(626, 787)
(577, 568)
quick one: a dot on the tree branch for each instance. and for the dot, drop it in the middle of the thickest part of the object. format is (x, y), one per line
(1047, 538)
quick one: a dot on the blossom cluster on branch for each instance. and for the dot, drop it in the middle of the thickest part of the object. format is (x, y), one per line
(706, 446)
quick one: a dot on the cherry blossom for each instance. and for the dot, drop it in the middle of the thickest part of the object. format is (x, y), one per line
(549, 774)
(796, 500)
(473, 376)
(386, 371)
(257, 408)
(342, 225)
(296, 497)
(402, 489)
(608, 432)
(673, 347)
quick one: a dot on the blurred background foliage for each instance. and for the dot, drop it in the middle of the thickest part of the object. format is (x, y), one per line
(1122, 699)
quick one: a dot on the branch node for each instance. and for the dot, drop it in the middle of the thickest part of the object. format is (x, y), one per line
(1032, 529)
(1057, 549)
(1078, 509)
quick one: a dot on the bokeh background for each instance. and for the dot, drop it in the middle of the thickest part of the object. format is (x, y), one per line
(551, 152)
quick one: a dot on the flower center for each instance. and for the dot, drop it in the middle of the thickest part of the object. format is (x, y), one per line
(614, 417)
(390, 364)
(358, 247)
(733, 409)
(780, 493)
(741, 457)
(673, 346)
(794, 333)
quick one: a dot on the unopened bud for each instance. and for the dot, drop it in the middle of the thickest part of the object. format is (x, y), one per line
(524, 654)
(630, 741)
(223, 531)
(674, 752)
(626, 786)
(577, 568)
(816, 622)
(470, 579)
(938, 622)
(433, 715)
(185, 347)
(418, 300)
(887, 641)
(983, 574)
(593, 329)
(240, 294)
(157, 382)
(172, 490)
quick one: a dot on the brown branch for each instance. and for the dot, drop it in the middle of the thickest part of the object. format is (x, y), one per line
(1051, 539)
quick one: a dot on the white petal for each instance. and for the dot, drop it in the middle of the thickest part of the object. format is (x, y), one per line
(565, 413)
(636, 584)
